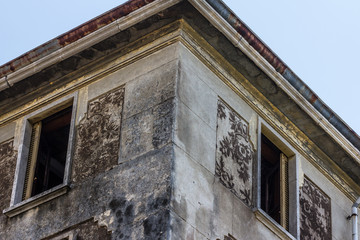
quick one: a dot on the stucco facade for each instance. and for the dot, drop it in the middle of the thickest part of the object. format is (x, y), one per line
(168, 117)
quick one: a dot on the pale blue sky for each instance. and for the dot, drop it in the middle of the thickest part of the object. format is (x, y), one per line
(318, 40)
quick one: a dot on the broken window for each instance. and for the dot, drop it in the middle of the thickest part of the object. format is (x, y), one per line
(274, 182)
(47, 154)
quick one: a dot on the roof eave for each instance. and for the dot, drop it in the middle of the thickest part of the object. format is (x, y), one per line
(79, 38)
(242, 37)
(220, 15)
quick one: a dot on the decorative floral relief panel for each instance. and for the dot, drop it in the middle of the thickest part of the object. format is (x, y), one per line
(234, 153)
(7, 170)
(315, 213)
(98, 135)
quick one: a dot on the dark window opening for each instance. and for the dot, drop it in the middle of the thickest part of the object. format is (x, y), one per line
(274, 182)
(47, 157)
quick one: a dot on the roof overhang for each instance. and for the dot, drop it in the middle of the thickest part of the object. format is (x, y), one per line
(79, 38)
(220, 16)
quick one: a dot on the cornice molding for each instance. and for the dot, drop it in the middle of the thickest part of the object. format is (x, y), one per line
(87, 41)
(104, 66)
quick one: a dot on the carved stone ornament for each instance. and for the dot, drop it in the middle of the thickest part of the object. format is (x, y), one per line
(234, 153)
(7, 169)
(315, 213)
(98, 135)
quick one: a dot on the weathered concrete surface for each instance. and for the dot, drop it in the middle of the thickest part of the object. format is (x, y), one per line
(202, 207)
(7, 170)
(7, 132)
(123, 191)
(340, 205)
(163, 184)
(196, 77)
(83, 231)
(278, 98)
(190, 130)
(149, 112)
(135, 193)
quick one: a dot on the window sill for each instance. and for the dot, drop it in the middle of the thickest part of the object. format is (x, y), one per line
(36, 200)
(271, 224)
(72, 235)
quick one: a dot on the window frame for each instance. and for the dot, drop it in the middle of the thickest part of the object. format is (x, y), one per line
(17, 205)
(293, 180)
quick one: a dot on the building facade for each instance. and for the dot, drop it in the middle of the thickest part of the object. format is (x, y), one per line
(169, 119)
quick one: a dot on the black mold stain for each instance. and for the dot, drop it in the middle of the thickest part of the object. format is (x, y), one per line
(163, 123)
(155, 226)
(117, 203)
(124, 210)
(129, 211)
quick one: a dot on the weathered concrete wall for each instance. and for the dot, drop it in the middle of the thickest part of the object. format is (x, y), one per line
(121, 168)
(98, 136)
(340, 205)
(83, 231)
(203, 206)
(213, 193)
(156, 157)
(7, 170)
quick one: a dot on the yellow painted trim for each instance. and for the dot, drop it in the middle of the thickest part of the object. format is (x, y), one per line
(31, 164)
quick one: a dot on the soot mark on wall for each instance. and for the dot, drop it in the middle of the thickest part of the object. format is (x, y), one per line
(98, 135)
(234, 153)
(315, 213)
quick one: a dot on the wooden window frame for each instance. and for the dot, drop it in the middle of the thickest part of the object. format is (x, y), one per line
(289, 225)
(19, 204)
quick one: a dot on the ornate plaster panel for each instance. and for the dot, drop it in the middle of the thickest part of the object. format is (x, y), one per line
(98, 135)
(7, 170)
(234, 153)
(315, 213)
